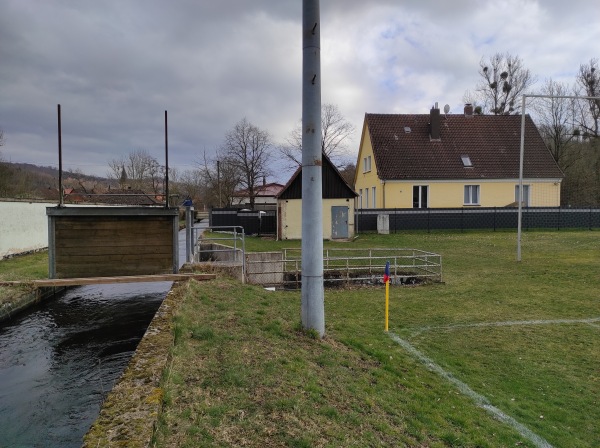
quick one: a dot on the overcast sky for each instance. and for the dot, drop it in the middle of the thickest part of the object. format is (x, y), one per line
(115, 66)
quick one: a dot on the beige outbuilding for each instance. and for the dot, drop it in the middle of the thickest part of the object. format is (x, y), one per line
(338, 205)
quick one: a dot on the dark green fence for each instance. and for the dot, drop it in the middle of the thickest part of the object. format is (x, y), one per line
(480, 218)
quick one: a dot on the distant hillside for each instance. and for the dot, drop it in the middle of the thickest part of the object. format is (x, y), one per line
(53, 172)
(28, 181)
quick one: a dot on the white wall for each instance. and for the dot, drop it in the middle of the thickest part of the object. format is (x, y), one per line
(23, 226)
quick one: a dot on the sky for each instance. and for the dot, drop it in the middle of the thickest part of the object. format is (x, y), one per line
(115, 66)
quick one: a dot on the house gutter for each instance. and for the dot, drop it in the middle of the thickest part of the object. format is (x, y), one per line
(383, 189)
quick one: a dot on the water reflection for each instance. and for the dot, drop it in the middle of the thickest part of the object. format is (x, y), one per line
(58, 362)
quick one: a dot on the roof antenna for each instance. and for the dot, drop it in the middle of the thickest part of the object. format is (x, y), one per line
(446, 109)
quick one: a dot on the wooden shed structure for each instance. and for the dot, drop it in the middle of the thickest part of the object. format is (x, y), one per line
(338, 205)
(112, 241)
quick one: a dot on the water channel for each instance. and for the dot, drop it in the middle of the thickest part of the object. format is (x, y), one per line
(59, 360)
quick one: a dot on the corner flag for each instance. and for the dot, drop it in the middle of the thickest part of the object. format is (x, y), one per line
(386, 280)
(386, 274)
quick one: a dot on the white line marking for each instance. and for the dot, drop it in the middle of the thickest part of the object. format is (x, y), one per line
(509, 323)
(479, 399)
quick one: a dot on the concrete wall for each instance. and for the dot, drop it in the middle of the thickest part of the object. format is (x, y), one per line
(264, 268)
(23, 227)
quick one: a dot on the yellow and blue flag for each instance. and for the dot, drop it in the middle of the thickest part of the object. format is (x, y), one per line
(386, 274)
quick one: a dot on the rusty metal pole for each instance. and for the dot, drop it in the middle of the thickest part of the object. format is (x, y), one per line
(313, 307)
(166, 163)
(60, 189)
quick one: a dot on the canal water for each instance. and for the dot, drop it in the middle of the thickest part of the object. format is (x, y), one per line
(59, 360)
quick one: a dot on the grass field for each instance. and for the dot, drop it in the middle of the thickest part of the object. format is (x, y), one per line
(501, 354)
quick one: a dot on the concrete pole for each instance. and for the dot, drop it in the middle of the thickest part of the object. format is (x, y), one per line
(313, 307)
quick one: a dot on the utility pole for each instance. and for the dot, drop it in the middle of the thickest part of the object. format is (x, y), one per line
(219, 180)
(313, 306)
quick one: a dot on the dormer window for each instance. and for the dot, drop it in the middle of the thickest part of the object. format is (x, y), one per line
(466, 160)
(407, 129)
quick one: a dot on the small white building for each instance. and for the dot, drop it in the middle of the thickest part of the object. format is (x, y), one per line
(338, 205)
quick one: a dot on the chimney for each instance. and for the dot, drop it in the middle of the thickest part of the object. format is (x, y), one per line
(434, 123)
(264, 180)
(468, 110)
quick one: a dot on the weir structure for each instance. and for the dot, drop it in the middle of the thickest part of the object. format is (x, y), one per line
(112, 241)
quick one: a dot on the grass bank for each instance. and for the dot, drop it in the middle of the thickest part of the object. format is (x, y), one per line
(523, 335)
(21, 268)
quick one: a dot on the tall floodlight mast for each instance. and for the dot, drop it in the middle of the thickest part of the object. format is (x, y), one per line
(313, 306)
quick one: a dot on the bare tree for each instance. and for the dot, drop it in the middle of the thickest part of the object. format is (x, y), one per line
(588, 83)
(555, 121)
(335, 130)
(246, 148)
(219, 180)
(142, 171)
(5, 177)
(348, 172)
(504, 80)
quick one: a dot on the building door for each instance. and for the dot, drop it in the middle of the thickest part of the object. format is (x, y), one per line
(339, 222)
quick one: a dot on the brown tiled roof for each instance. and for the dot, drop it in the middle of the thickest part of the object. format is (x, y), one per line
(491, 142)
(271, 189)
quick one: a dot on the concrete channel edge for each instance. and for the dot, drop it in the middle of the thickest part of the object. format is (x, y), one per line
(130, 411)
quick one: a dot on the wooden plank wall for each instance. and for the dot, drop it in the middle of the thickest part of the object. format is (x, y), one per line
(104, 246)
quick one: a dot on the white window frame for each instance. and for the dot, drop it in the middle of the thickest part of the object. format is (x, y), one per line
(367, 164)
(421, 188)
(472, 195)
(374, 198)
(360, 198)
(366, 198)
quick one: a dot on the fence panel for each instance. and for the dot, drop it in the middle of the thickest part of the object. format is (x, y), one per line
(254, 222)
(480, 218)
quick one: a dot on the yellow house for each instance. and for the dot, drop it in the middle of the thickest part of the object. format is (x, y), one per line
(451, 161)
(338, 205)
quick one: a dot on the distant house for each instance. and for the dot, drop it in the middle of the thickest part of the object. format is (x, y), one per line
(338, 205)
(263, 194)
(447, 161)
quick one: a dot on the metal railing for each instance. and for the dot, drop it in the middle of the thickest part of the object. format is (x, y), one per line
(364, 266)
(229, 247)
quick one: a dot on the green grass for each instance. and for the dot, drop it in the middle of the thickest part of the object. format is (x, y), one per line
(22, 268)
(243, 373)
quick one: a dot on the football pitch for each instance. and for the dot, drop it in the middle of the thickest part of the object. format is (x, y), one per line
(521, 340)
